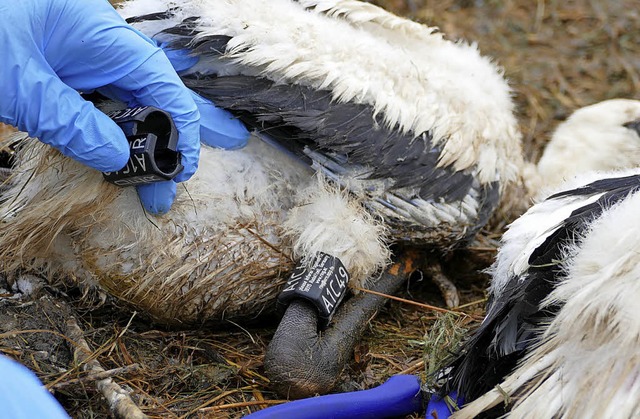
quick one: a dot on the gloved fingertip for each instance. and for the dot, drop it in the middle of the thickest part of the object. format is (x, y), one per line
(187, 172)
(157, 198)
(97, 142)
(219, 127)
(214, 138)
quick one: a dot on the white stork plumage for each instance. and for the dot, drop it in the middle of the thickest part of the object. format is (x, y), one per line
(602, 136)
(413, 135)
(560, 337)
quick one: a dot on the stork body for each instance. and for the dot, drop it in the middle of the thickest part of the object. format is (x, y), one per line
(561, 334)
(559, 338)
(413, 137)
(383, 106)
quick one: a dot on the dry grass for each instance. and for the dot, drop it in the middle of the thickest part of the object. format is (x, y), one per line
(5, 130)
(558, 55)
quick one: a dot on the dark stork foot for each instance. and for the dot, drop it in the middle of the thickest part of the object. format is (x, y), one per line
(447, 288)
(302, 361)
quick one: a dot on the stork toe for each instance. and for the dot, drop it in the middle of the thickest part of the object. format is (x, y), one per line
(447, 287)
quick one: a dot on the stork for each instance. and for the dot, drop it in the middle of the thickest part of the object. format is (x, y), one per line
(560, 335)
(393, 135)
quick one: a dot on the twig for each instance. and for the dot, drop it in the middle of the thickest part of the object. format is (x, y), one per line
(213, 400)
(385, 358)
(119, 400)
(96, 376)
(115, 341)
(415, 303)
(242, 404)
(412, 368)
(472, 303)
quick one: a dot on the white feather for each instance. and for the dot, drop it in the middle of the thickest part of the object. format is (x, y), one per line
(592, 138)
(328, 220)
(409, 73)
(587, 364)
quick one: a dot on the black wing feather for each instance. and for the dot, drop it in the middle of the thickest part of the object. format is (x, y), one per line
(349, 133)
(167, 14)
(514, 318)
(310, 118)
(302, 117)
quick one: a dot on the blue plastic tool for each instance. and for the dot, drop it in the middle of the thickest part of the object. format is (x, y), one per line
(440, 408)
(400, 395)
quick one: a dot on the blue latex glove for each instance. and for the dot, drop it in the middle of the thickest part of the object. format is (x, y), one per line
(230, 135)
(440, 407)
(51, 49)
(22, 395)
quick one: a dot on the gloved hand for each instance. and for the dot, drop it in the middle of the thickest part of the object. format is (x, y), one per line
(51, 49)
(212, 133)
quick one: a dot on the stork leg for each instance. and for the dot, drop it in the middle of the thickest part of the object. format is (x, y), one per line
(302, 360)
(447, 287)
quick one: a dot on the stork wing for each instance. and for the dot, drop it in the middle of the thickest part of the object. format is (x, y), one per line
(351, 143)
(513, 317)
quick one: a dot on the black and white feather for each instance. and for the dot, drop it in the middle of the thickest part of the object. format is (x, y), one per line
(539, 249)
(560, 335)
(385, 107)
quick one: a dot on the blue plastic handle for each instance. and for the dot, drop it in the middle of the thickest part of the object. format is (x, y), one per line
(400, 395)
(439, 408)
